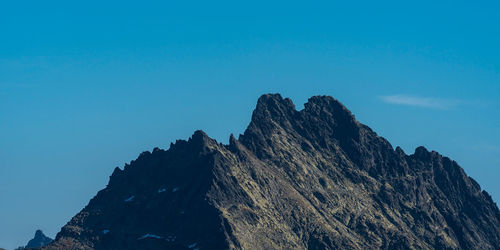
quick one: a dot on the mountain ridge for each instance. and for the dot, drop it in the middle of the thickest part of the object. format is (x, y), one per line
(314, 178)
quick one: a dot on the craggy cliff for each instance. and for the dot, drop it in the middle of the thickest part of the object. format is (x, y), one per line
(309, 179)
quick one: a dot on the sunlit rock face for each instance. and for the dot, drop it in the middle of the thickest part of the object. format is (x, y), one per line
(309, 179)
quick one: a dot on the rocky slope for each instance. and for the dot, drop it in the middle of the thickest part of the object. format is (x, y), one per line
(309, 179)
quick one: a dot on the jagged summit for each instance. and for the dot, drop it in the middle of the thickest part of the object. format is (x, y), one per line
(319, 123)
(39, 240)
(276, 108)
(309, 179)
(277, 102)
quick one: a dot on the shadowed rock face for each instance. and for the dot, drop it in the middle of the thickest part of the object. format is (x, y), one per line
(39, 240)
(309, 179)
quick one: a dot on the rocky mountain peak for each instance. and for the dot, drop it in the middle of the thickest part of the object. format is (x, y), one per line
(39, 233)
(273, 105)
(272, 110)
(323, 122)
(330, 110)
(201, 140)
(39, 240)
(309, 179)
(318, 105)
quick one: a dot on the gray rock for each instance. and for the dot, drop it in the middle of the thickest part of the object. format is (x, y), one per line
(309, 179)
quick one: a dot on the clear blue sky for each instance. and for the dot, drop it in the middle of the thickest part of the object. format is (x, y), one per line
(86, 86)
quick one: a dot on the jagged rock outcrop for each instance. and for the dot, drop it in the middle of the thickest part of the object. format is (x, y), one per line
(39, 240)
(309, 179)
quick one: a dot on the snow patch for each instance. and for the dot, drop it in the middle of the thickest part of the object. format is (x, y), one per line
(161, 190)
(129, 199)
(175, 189)
(149, 236)
(193, 245)
(171, 238)
(105, 231)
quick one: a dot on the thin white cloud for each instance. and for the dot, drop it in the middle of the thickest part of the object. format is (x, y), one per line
(423, 102)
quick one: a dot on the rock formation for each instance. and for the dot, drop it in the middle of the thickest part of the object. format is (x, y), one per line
(39, 240)
(309, 179)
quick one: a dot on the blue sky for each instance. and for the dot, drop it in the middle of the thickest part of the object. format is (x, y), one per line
(87, 86)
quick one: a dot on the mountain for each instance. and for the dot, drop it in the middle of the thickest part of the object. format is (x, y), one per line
(39, 240)
(309, 179)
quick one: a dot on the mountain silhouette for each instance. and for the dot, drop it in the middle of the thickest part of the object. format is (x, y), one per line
(309, 179)
(39, 240)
